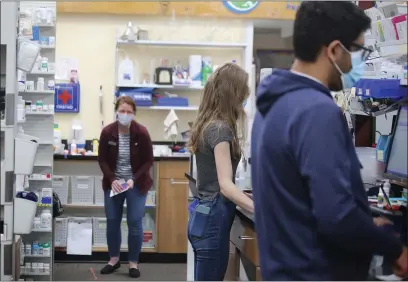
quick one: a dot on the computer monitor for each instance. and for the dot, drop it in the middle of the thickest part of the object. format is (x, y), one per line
(396, 168)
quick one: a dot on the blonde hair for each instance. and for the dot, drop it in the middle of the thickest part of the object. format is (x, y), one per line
(223, 97)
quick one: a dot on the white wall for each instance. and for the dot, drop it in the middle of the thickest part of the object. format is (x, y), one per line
(91, 40)
(270, 39)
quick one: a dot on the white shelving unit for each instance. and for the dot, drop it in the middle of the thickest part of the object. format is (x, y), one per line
(189, 44)
(9, 19)
(40, 124)
(246, 48)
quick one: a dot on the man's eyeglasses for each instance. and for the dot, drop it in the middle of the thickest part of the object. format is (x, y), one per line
(365, 52)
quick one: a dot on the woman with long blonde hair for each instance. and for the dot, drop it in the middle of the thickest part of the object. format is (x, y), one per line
(216, 140)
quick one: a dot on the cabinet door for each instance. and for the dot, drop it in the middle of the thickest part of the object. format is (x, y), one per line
(258, 274)
(233, 265)
(173, 216)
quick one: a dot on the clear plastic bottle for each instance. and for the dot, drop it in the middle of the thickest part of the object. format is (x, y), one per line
(46, 219)
(387, 187)
(73, 148)
(40, 84)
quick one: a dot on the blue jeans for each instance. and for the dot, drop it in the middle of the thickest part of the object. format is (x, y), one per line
(135, 205)
(209, 236)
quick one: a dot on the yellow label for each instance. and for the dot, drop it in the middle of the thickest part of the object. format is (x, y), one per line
(380, 155)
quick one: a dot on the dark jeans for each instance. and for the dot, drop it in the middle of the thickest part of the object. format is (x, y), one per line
(209, 236)
(135, 206)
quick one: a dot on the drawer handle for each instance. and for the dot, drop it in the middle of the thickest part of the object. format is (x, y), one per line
(246, 238)
(172, 182)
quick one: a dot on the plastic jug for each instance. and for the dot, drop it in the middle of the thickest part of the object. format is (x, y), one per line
(126, 72)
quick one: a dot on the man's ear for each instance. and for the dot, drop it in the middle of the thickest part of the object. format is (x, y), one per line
(333, 51)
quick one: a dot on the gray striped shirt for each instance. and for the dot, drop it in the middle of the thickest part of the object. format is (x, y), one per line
(123, 166)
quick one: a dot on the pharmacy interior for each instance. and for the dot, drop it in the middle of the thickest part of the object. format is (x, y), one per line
(71, 63)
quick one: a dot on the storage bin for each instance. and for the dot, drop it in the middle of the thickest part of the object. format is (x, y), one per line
(99, 193)
(61, 231)
(82, 190)
(383, 88)
(60, 185)
(24, 213)
(360, 87)
(143, 96)
(172, 102)
(99, 232)
(24, 154)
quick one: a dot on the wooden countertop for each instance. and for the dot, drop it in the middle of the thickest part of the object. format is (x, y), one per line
(246, 216)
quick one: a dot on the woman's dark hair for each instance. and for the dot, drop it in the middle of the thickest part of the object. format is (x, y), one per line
(125, 100)
(318, 23)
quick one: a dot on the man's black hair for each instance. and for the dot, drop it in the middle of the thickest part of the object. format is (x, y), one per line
(318, 23)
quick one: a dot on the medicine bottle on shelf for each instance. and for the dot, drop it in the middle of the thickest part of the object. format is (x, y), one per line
(46, 219)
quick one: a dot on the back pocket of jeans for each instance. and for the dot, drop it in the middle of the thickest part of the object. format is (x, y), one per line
(198, 225)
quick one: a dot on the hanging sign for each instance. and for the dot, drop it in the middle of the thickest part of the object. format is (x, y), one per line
(67, 97)
(241, 7)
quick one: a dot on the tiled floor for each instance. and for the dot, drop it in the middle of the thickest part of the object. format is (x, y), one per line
(149, 272)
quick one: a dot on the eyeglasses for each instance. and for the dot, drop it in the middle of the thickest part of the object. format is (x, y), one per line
(365, 52)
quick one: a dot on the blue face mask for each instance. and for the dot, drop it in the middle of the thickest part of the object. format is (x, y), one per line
(351, 78)
(244, 104)
(125, 119)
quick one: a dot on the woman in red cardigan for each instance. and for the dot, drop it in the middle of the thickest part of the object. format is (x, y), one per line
(125, 155)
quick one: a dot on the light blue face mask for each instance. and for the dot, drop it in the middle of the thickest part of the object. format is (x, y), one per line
(351, 78)
(125, 119)
(244, 104)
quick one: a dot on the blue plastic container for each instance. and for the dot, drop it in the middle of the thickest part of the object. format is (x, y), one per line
(360, 87)
(382, 88)
(383, 147)
(172, 102)
(130, 91)
(142, 103)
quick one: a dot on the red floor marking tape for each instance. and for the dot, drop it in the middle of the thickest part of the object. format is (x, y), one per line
(93, 273)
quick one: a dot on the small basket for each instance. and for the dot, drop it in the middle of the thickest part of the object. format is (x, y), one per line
(99, 232)
(82, 190)
(60, 186)
(99, 193)
(61, 231)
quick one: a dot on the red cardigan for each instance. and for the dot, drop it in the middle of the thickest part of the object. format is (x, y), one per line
(141, 155)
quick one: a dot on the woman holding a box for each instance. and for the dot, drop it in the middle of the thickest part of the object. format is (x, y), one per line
(125, 158)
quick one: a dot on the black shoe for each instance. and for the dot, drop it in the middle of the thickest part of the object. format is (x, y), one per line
(134, 272)
(108, 269)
